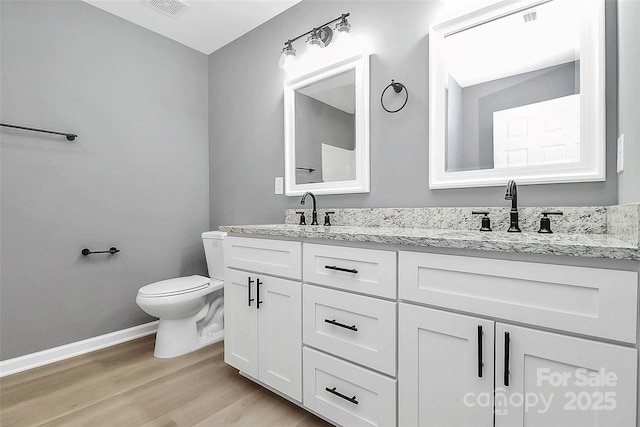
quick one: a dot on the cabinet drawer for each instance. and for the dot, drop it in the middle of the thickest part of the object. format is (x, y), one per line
(584, 300)
(276, 257)
(362, 270)
(347, 394)
(358, 328)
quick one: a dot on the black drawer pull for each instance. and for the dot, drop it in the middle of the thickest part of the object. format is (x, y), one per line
(342, 325)
(480, 363)
(337, 393)
(258, 302)
(249, 282)
(507, 342)
(346, 270)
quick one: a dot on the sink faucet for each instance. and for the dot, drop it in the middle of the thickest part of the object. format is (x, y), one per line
(314, 217)
(512, 194)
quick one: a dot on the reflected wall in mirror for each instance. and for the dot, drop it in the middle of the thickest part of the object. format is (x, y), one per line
(518, 93)
(327, 129)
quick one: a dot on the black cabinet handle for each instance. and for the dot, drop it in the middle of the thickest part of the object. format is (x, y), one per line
(342, 325)
(249, 282)
(337, 393)
(258, 302)
(507, 341)
(480, 364)
(346, 270)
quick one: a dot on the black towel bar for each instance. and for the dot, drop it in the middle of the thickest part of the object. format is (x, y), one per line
(70, 136)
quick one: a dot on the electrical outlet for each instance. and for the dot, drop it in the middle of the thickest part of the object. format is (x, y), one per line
(620, 167)
(279, 185)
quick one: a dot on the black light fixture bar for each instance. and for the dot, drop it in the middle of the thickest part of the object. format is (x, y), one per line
(70, 136)
(343, 16)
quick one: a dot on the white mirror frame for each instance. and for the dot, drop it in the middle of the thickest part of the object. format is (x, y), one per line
(359, 63)
(592, 105)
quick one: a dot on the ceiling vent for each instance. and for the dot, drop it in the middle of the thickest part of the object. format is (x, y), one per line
(531, 16)
(169, 7)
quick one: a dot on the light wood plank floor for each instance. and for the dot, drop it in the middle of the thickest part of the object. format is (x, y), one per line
(125, 385)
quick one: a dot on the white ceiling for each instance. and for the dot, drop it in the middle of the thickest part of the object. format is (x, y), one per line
(206, 26)
(339, 91)
(509, 46)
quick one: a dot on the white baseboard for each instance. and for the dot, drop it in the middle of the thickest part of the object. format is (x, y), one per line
(55, 354)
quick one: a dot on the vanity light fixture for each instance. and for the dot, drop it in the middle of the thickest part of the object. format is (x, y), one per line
(319, 37)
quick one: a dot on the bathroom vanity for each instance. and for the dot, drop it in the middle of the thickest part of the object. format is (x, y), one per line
(408, 326)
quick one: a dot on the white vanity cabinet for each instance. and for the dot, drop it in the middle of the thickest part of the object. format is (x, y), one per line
(263, 324)
(386, 337)
(350, 334)
(447, 374)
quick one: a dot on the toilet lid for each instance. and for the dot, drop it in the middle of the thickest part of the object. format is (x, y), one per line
(180, 285)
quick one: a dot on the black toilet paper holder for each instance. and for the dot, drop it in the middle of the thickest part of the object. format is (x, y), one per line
(112, 250)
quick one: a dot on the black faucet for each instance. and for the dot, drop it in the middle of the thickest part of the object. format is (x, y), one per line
(512, 194)
(314, 214)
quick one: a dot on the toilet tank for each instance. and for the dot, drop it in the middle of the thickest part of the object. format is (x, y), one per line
(213, 250)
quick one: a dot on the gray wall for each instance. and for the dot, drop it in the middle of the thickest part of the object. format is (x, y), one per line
(246, 119)
(458, 157)
(629, 98)
(136, 178)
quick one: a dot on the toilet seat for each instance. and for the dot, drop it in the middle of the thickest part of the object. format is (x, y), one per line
(177, 286)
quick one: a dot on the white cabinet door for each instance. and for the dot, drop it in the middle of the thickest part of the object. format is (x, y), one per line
(263, 329)
(280, 334)
(240, 321)
(546, 379)
(445, 369)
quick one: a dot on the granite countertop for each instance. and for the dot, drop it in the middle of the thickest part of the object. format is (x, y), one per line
(568, 244)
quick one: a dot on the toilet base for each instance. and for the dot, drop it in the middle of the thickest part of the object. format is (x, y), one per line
(176, 337)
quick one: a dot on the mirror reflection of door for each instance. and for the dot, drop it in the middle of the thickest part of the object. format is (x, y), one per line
(513, 90)
(543, 133)
(325, 130)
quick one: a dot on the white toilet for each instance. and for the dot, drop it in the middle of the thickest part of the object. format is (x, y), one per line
(190, 314)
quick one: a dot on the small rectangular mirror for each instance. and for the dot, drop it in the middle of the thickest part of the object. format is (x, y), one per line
(327, 130)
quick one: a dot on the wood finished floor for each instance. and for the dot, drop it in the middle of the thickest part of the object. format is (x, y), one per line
(125, 385)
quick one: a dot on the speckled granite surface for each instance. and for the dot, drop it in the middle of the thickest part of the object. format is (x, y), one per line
(623, 222)
(579, 220)
(583, 232)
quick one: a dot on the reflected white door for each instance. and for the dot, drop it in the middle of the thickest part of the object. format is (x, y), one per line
(543, 133)
(338, 164)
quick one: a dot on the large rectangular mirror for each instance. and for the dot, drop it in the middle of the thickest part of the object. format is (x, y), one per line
(517, 92)
(327, 129)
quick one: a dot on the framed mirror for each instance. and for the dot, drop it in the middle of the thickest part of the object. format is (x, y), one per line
(326, 124)
(518, 92)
